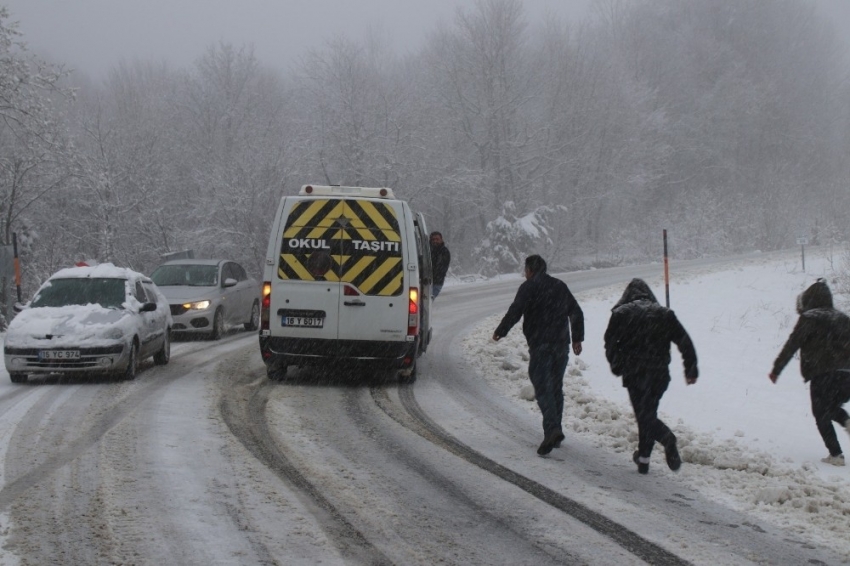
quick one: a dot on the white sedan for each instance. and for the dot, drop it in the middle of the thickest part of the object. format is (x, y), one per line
(208, 296)
(101, 319)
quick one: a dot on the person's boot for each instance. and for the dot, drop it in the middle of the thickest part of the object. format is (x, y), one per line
(558, 442)
(643, 466)
(549, 442)
(834, 460)
(671, 452)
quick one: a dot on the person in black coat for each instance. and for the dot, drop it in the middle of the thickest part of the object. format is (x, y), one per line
(637, 346)
(441, 257)
(822, 335)
(548, 310)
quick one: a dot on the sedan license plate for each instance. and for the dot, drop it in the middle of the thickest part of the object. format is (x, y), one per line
(303, 321)
(59, 354)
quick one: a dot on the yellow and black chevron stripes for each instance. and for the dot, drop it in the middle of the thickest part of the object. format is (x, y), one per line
(325, 213)
(374, 275)
(293, 266)
(360, 239)
(367, 215)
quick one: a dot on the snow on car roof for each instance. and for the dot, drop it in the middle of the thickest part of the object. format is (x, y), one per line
(107, 270)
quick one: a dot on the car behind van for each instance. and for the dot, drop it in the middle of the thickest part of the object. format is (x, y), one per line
(208, 296)
(347, 280)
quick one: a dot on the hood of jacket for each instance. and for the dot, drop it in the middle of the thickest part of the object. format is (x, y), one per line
(636, 290)
(817, 296)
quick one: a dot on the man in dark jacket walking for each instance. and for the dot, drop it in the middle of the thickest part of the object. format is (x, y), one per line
(546, 305)
(440, 260)
(637, 345)
(822, 334)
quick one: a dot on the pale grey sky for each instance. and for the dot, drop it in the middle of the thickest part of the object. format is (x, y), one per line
(93, 35)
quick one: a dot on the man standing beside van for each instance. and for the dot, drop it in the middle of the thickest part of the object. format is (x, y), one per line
(545, 304)
(440, 260)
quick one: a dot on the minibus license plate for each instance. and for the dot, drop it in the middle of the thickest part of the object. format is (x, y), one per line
(59, 354)
(312, 322)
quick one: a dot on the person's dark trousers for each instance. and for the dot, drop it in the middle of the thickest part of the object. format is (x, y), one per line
(829, 391)
(546, 366)
(645, 395)
(435, 290)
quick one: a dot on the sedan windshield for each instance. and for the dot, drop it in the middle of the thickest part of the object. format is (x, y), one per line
(106, 292)
(191, 275)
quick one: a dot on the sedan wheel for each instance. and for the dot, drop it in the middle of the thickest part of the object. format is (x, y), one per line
(18, 377)
(132, 363)
(218, 325)
(161, 358)
(254, 323)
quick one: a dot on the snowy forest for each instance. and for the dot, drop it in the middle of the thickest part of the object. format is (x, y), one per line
(724, 122)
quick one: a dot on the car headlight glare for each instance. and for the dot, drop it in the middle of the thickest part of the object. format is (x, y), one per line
(199, 306)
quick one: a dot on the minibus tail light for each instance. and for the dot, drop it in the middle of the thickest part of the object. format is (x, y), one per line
(413, 312)
(266, 304)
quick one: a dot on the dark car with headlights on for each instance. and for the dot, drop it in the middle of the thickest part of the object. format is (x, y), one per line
(101, 319)
(208, 296)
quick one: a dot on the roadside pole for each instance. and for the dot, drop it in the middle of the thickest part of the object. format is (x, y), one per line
(803, 241)
(17, 265)
(666, 272)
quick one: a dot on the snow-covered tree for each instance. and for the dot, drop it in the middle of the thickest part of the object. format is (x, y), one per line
(236, 145)
(33, 143)
(510, 238)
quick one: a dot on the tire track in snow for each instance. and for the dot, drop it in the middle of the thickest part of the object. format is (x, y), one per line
(142, 390)
(415, 419)
(244, 412)
(512, 536)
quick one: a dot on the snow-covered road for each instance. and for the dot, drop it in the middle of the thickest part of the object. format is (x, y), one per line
(205, 461)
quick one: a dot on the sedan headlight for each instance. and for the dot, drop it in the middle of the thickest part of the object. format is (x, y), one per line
(113, 334)
(199, 306)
